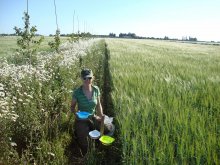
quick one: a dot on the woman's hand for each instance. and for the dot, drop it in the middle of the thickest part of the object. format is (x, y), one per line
(99, 118)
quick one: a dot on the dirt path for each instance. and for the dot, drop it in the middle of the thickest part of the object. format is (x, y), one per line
(106, 155)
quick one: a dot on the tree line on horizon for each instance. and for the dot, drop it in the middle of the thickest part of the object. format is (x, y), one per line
(113, 35)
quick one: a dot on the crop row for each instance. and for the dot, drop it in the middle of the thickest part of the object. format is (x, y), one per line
(166, 98)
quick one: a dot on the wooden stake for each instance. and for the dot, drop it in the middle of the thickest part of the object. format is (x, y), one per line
(102, 125)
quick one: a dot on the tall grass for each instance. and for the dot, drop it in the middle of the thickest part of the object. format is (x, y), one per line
(36, 126)
(167, 101)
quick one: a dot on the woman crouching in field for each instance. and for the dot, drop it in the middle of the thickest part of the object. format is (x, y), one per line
(87, 99)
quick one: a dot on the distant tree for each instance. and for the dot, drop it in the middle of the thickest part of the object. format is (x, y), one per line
(184, 38)
(112, 35)
(121, 35)
(129, 35)
(192, 39)
(166, 38)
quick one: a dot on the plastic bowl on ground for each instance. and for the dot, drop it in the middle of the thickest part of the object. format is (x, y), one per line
(94, 134)
(83, 114)
(106, 140)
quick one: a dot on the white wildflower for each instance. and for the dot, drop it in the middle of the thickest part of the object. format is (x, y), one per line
(3, 103)
(1, 85)
(14, 116)
(13, 144)
(2, 94)
(52, 154)
(27, 100)
(20, 100)
(4, 111)
(30, 96)
(51, 97)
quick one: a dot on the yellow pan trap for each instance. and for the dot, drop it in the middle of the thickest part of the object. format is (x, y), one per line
(106, 140)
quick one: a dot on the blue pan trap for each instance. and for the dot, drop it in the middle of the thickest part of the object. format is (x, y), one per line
(83, 114)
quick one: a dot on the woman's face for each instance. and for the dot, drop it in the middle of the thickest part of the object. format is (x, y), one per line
(87, 80)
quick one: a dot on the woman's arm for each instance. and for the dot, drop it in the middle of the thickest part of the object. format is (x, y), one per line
(101, 116)
(99, 108)
(73, 106)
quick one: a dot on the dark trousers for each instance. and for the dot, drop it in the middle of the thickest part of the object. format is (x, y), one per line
(82, 129)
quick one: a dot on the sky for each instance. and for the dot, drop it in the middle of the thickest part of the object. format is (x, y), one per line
(147, 18)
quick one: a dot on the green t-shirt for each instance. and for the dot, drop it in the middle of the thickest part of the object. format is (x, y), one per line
(83, 103)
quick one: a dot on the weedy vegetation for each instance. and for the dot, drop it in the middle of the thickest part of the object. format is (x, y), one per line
(36, 124)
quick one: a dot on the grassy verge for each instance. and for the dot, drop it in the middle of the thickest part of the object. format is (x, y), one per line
(35, 121)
